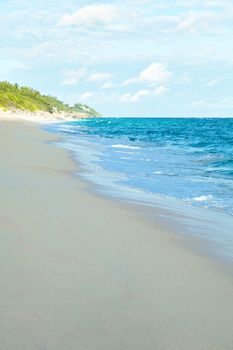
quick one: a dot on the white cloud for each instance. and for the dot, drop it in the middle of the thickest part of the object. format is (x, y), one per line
(153, 74)
(156, 72)
(211, 82)
(130, 81)
(72, 77)
(160, 90)
(98, 77)
(134, 97)
(107, 85)
(86, 95)
(92, 15)
(224, 104)
(195, 22)
(188, 22)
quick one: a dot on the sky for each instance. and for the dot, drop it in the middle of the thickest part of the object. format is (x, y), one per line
(145, 58)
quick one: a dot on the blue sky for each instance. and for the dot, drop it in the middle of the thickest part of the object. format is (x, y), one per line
(131, 58)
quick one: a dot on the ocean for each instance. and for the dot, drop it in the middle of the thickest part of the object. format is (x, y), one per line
(186, 163)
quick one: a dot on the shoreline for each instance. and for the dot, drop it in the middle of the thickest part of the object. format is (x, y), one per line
(80, 269)
(40, 117)
(202, 224)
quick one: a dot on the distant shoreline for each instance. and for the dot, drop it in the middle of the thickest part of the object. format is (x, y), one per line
(27, 102)
(41, 116)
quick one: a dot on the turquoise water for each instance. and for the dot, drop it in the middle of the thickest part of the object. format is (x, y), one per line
(189, 160)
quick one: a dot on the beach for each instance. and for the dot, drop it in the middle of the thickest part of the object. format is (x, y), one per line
(40, 116)
(79, 271)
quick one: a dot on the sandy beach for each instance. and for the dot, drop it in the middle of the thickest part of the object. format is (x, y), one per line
(83, 272)
(39, 116)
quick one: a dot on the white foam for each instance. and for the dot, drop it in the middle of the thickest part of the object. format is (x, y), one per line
(203, 198)
(125, 146)
(161, 173)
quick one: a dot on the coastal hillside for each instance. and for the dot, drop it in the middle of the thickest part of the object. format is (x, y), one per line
(15, 97)
(81, 108)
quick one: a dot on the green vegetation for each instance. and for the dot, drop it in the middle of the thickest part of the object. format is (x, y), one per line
(14, 97)
(80, 108)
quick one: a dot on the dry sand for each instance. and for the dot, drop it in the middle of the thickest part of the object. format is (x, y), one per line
(39, 116)
(80, 272)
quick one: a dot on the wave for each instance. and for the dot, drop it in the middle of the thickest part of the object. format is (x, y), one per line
(157, 172)
(162, 173)
(125, 146)
(156, 155)
(203, 198)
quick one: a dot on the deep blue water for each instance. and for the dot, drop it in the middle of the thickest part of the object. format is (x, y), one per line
(190, 160)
